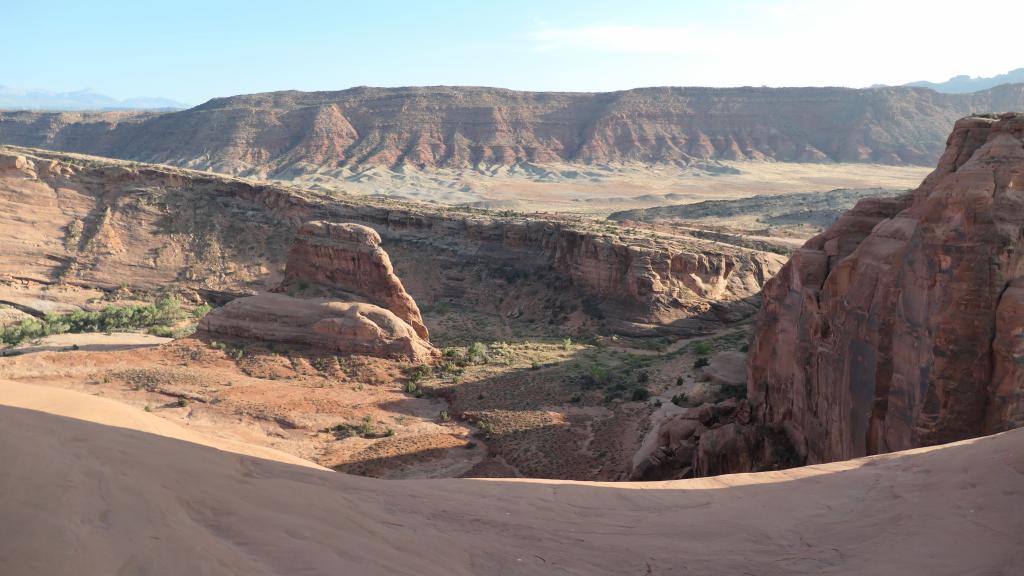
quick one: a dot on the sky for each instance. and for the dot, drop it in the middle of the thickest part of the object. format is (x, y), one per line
(191, 51)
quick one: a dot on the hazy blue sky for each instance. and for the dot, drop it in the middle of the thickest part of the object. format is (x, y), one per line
(194, 50)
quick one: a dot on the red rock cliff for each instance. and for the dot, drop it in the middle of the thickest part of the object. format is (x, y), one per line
(903, 324)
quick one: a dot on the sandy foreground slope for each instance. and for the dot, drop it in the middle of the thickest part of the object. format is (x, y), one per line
(90, 486)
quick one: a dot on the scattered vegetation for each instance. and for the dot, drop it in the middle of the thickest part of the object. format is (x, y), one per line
(365, 428)
(161, 316)
(598, 374)
(640, 394)
(701, 348)
(477, 353)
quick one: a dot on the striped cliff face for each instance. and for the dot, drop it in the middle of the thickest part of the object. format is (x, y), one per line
(290, 134)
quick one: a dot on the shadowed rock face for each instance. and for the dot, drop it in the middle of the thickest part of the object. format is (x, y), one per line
(286, 134)
(903, 324)
(348, 257)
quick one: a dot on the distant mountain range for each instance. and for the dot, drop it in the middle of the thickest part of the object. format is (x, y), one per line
(964, 84)
(294, 134)
(18, 99)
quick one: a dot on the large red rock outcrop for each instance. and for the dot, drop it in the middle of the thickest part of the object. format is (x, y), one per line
(348, 257)
(339, 327)
(903, 324)
(366, 311)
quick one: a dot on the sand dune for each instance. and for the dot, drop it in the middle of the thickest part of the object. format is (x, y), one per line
(91, 486)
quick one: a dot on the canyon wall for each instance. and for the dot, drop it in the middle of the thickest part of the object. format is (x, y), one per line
(94, 222)
(287, 134)
(903, 324)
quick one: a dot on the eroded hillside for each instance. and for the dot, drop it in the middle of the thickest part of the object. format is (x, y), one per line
(536, 375)
(287, 134)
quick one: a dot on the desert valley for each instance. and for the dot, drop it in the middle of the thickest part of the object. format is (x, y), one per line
(468, 330)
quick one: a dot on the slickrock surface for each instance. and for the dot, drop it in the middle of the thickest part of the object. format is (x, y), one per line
(70, 508)
(349, 257)
(903, 324)
(287, 134)
(340, 327)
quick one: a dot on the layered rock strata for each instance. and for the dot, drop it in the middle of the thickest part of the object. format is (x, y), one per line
(289, 134)
(103, 223)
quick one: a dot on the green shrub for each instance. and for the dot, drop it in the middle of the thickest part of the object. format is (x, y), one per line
(681, 400)
(417, 373)
(599, 374)
(701, 347)
(477, 353)
(640, 394)
(164, 313)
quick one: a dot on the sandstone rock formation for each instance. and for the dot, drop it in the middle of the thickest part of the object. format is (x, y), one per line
(348, 257)
(702, 441)
(903, 324)
(339, 327)
(347, 260)
(286, 134)
(101, 223)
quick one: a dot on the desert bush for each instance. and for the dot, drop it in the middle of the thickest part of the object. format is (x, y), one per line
(701, 362)
(733, 391)
(640, 394)
(417, 373)
(201, 310)
(164, 313)
(477, 353)
(701, 347)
